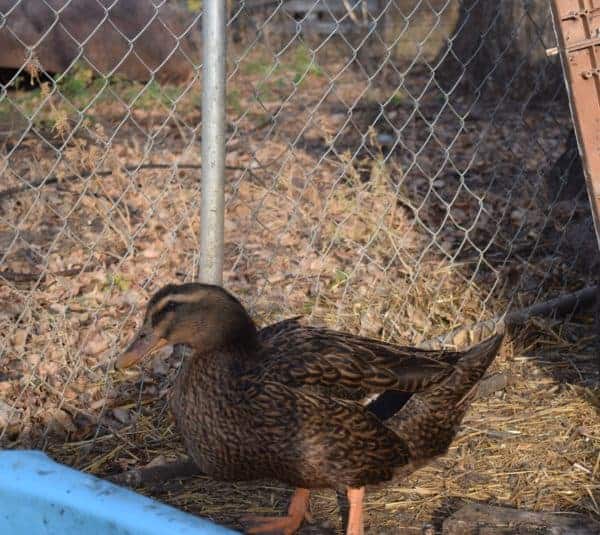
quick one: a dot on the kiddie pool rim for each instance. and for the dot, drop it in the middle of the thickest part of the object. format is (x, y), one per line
(40, 496)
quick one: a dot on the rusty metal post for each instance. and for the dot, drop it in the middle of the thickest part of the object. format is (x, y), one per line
(577, 28)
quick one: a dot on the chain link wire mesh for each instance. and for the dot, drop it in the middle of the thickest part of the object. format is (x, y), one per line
(393, 168)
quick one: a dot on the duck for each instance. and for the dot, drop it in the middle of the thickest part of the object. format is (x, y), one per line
(308, 406)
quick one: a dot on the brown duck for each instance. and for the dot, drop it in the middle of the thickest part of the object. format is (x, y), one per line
(284, 402)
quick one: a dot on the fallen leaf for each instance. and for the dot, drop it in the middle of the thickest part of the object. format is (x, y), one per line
(122, 415)
(19, 339)
(8, 415)
(96, 345)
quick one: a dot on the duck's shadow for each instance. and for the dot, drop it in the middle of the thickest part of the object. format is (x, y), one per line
(570, 357)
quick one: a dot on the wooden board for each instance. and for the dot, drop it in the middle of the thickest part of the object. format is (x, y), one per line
(577, 26)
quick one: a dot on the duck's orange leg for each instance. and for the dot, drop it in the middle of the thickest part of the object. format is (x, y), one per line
(355, 516)
(297, 512)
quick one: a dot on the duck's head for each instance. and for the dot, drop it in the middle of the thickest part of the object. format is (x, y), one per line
(202, 316)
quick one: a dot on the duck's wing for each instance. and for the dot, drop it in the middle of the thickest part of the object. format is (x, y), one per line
(274, 330)
(314, 440)
(297, 356)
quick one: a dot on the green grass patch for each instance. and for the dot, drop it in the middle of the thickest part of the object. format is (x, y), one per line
(303, 64)
(60, 102)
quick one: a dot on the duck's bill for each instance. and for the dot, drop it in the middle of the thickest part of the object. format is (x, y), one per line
(144, 344)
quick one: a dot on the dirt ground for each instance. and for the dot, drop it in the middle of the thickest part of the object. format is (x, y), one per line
(370, 203)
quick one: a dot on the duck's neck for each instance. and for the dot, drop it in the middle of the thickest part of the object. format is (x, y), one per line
(206, 404)
(211, 371)
(226, 326)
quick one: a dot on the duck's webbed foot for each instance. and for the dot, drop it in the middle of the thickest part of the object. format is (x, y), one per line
(286, 525)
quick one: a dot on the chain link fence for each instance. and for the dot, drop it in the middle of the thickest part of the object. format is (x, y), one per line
(396, 168)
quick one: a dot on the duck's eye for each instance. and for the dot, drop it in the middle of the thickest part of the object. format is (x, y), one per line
(158, 316)
(169, 306)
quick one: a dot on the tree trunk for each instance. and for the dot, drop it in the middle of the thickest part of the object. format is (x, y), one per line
(498, 48)
(573, 225)
(565, 181)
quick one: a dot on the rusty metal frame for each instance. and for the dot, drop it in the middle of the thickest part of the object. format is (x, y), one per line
(577, 28)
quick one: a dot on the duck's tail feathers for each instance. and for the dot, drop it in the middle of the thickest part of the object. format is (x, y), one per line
(456, 384)
(429, 421)
(478, 358)
(460, 387)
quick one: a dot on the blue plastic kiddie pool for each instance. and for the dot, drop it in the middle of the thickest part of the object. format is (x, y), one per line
(39, 496)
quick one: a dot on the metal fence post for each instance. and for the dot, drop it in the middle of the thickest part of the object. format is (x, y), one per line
(213, 141)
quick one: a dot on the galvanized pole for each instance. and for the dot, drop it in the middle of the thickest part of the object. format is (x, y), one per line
(214, 42)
